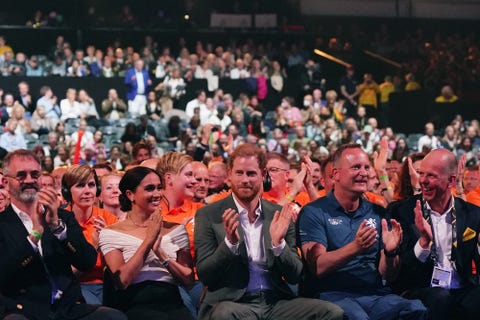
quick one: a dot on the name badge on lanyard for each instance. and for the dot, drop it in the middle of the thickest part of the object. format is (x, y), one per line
(441, 278)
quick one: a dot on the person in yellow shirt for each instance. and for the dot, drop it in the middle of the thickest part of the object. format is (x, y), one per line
(386, 88)
(4, 47)
(367, 97)
(446, 95)
(412, 83)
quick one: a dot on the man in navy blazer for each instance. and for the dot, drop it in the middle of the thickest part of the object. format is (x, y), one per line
(440, 243)
(137, 81)
(39, 244)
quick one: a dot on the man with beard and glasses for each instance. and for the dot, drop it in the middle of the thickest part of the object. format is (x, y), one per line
(349, 247)
(200, 172)
(246, 251)
(40, 243)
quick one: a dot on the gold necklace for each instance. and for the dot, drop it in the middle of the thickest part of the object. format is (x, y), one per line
(136, 224)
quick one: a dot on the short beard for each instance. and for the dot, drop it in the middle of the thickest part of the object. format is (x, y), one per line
(25, 196)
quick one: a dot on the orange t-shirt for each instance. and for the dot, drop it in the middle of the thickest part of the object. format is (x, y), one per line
(375, 198)
(183, 215)
(302, 197)
(88, 229)
(474, 196)
(218, 196)
(322, 193)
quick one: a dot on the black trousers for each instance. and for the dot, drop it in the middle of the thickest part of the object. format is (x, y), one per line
(453, 304)
(153, 300)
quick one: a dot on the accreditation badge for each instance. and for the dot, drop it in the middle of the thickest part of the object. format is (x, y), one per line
(441, 278)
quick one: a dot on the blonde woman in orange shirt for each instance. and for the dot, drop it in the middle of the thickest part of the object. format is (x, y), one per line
(178, 185)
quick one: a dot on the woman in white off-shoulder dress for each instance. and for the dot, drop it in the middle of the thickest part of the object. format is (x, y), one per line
(147, 257)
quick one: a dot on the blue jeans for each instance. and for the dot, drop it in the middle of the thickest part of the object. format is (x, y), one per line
(191, 298)
(376, 307)
(93, 293)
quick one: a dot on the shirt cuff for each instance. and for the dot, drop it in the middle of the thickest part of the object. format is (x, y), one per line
(61, 236)
(61, 232)
(278, 249)
(420, 253)
(232, 247)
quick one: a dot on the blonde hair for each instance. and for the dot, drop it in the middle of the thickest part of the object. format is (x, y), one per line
(172, 162)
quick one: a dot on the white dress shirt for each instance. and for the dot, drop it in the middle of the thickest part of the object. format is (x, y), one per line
(442, 232)
(27, 222)
(140, 82)
(255, 245)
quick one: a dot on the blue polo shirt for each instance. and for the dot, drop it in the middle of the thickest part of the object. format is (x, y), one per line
(325, 221)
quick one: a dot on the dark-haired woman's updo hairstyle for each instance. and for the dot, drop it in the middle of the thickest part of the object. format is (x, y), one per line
(130, 181)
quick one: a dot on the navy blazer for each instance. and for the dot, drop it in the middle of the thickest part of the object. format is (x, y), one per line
(415, 274)
(25, 286)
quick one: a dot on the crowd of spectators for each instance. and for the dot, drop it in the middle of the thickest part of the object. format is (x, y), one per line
(325, 114)
(298, 134)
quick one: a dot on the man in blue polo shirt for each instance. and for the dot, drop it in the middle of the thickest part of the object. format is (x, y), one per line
(349, 247)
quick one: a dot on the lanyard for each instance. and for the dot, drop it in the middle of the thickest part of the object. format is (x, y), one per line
(433, 250)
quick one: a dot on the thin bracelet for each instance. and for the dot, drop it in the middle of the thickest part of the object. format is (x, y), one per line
(36, 234)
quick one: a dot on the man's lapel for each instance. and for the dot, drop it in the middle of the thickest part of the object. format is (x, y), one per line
(461, 224)
(15, 225)
(267, 215)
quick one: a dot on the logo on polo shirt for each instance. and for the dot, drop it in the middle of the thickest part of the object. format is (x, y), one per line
(334, 221)
(371, 222)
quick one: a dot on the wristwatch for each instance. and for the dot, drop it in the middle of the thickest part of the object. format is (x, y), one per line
(165, 262)
(391, 254)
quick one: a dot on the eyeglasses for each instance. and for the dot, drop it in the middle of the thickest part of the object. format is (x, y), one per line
(22, 175)
(275, 170)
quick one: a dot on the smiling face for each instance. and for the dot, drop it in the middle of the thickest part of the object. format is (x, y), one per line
(183, 183)
(351, 172)
(437, 178)
(110, 191)
(147, 195)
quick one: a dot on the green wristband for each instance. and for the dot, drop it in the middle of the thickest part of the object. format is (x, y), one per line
(36, 234)
(383, 178)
